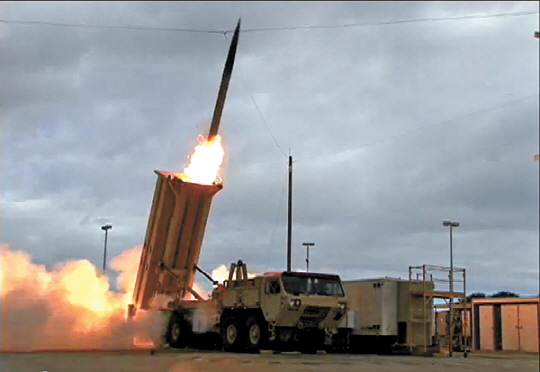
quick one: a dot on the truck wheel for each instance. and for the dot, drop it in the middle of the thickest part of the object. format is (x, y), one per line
(178, 332)
(232, 335)
(256, 334)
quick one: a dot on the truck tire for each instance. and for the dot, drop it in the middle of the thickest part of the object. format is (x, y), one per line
(232, 335)
(178, 332)
(256, 334)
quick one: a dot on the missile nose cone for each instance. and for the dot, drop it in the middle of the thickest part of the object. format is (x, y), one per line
(226, 77)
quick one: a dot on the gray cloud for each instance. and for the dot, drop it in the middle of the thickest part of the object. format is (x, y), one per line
(394, 128)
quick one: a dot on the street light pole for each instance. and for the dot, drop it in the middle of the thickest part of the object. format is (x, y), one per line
(106, 228)
(307, 245)
(451, 261)
(451, 224)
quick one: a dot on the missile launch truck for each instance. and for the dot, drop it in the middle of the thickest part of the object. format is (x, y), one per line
(279, 310)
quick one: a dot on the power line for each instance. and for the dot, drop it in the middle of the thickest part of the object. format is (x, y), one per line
(127, 27)
(265, 123)
(449, 121)
(265, 29)
(395, 22)
(260, 114)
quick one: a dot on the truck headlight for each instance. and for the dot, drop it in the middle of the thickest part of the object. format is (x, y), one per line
(294, 303)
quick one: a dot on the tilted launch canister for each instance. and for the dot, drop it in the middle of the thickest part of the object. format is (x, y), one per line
(173, 239)
(177, 221)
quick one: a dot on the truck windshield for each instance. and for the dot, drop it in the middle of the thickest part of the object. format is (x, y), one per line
(314, 285)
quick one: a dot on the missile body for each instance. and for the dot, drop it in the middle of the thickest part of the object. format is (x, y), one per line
(224, 86)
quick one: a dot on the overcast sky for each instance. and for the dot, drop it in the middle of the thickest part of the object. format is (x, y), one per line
(393, 128)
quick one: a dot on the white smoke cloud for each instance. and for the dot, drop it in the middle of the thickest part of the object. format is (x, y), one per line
(71, 307)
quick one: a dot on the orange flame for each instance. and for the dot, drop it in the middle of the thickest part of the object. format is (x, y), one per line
(205, 162)
(70, 307)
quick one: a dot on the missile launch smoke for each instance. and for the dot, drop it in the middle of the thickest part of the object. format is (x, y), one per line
(70, 307)
(221, 273)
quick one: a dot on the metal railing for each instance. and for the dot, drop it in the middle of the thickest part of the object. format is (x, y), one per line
(428, 276)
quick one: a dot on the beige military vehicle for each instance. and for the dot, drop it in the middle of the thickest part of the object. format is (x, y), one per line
(281, 311)
(278, 311)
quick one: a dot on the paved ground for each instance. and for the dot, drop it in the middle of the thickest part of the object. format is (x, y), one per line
(187, 361)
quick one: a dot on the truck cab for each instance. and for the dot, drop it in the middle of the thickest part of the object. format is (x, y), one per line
(282, 311)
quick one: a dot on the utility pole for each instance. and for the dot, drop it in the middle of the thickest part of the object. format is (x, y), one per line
(289, 217)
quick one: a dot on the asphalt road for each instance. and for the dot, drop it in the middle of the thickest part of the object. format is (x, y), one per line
(195, 361)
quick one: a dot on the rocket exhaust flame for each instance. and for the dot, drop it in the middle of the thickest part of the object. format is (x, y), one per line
(208, 156)
(71, 307)
(205, 162)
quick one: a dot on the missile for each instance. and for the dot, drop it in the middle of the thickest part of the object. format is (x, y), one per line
(224, 86)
